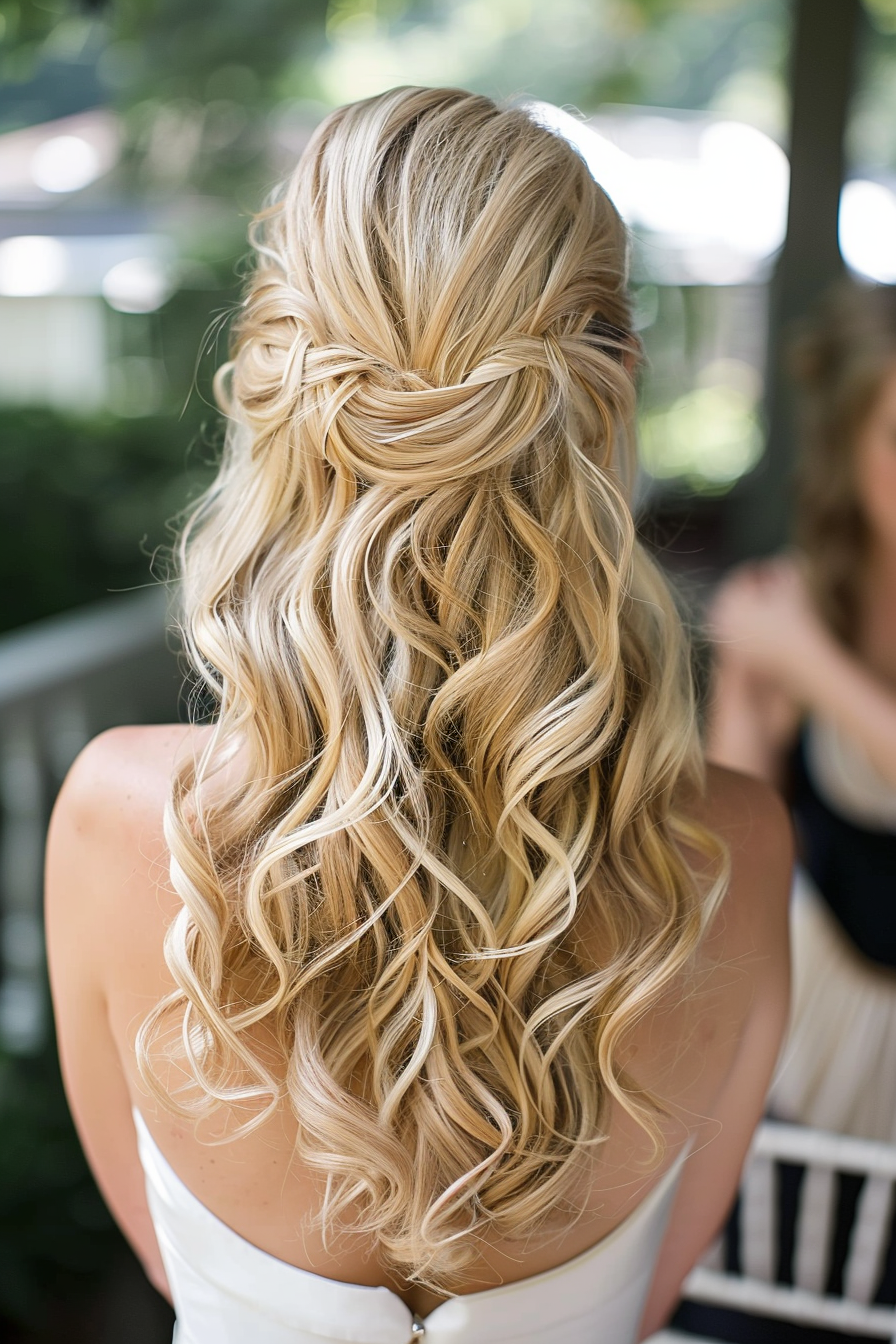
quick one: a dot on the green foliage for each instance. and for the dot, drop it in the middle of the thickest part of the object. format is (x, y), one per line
(56, 1235)
(668, 53)
(86, 505)
(196, 84)
(195, 50)
(25, 26)
(203, 87)
(882, 14)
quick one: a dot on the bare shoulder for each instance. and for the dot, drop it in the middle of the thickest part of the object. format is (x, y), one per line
(106, 846)
(127, 769)
(115, 791)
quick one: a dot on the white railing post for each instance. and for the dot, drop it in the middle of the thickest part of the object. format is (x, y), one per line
(24, 812)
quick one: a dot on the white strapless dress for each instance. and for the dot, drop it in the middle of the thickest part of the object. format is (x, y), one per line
(837, 1070)
(227, 1291)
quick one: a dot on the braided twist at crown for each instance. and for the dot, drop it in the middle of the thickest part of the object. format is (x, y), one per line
(388, 424)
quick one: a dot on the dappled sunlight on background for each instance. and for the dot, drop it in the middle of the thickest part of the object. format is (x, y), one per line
(136, 141)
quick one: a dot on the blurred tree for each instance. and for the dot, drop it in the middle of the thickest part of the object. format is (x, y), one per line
(24, 29)
(86, 505)
(646, 51)
(871, 138)
(55, 1232)
(198, 83)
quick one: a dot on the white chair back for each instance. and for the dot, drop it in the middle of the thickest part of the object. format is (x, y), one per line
(806, 1302)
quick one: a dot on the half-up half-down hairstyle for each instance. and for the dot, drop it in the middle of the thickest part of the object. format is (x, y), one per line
(453, 696)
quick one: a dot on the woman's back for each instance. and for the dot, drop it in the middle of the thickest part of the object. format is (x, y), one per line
(449, 975)
(229, 1291)
(703, 1053)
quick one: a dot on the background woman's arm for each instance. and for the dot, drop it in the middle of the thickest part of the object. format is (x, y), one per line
(764, 624)
(755, 910)
(751, 721)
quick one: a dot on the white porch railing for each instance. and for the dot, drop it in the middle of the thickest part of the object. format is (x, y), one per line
(62, 681)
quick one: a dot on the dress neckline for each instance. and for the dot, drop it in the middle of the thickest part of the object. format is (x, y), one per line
(631, 1221)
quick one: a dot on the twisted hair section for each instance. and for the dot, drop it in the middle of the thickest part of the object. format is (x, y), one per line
(433, 846)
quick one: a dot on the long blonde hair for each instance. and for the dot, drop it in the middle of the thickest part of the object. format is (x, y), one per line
(456, 689)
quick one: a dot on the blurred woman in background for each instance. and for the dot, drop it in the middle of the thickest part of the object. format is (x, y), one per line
(409, 980)
(805, 697)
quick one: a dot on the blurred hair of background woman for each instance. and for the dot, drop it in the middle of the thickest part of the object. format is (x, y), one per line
(805, 696)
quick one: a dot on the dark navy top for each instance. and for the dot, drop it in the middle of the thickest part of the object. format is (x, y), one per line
(853, 867)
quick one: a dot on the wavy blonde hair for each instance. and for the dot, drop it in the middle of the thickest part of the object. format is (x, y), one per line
(456, 689)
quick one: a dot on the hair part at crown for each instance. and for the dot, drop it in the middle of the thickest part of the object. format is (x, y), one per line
(456, 688)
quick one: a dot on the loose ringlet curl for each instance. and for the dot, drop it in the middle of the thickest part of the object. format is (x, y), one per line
(454, 711)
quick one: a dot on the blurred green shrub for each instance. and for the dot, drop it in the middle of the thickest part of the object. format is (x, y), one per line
(56, 1235)
(86, 505)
